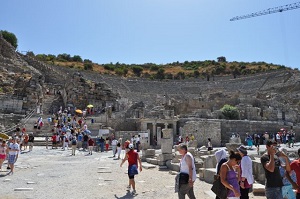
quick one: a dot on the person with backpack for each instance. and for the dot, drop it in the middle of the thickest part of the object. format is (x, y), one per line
(74, 145)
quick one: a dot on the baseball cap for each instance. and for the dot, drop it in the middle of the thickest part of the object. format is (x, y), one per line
(130, 146)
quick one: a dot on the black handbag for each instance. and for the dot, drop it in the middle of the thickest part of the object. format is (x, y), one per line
(219, 189)
(183, 178)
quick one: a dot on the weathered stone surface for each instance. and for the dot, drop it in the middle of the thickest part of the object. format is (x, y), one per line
(232, 146)
(258, 189)
(149, 153)
(209, 161)
(166, 145)
(258, 171)
(209, 175)
(148, 166)
(165, 157)
(23, 189)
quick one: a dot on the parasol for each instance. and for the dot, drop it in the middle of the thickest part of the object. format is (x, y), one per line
(78, 111)
(4, 136)
(90, 106)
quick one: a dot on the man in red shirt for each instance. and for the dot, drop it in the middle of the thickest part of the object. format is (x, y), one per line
(133, 159)
(295, 165)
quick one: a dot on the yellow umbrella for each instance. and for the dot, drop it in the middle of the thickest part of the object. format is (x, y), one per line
(90, 106)
(4, 136)
(78, 111)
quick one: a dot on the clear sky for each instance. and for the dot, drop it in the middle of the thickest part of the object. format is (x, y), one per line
(157, 31)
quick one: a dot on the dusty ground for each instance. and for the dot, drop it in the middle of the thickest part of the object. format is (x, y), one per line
(56, 174)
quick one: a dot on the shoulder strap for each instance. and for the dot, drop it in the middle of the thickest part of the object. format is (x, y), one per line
(228, 166)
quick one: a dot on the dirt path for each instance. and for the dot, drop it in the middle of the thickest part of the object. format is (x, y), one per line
(55, 174)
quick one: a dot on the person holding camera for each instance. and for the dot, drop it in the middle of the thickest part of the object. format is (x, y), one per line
(271, 163)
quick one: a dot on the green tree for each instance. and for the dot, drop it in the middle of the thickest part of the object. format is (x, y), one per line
(196, 73)
(88, 66)
(30, 53)
(137, 70)
(221, 59)
(230, 112)
(64, 57)
(10, 38)
(160, 74)
(76, 58)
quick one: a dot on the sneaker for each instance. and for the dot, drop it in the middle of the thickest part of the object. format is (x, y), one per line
(134, 191)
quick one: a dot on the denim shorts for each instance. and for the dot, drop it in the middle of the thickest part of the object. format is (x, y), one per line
(273, 193)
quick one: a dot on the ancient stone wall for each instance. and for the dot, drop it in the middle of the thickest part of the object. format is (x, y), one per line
(221, 130)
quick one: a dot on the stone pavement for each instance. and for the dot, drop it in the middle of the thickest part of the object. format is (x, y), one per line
(43, 173)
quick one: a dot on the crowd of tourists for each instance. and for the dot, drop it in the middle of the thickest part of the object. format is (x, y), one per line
(282, 176)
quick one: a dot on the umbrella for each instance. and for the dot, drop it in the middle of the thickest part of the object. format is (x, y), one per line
(4, 136)
(90, 106)
(78, 111)
(282, 129)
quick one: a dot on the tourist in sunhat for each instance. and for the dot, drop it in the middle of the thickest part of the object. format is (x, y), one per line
(246, 179)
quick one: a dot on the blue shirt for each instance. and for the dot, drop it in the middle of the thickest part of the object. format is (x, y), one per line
(285, 181)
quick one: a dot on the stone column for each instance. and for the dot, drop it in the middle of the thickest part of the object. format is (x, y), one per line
(166, 147)
(174, 130)
(154, 128)
(158, 136)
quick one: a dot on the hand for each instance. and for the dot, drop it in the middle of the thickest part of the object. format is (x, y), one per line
(236, 193)
(272, 150)
(191, 183)
(141, 168)
(295, 186)
(242, 185)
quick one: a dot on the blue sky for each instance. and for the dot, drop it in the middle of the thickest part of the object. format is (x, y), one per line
(157, 31)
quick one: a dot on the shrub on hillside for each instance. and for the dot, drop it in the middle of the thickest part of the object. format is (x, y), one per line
(230, 112)
(10, 38)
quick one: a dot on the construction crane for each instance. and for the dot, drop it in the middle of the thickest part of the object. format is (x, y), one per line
(268, 11)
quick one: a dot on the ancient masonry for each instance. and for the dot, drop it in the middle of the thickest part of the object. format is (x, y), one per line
(265, 101)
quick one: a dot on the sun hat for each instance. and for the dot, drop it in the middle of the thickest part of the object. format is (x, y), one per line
(130, 146)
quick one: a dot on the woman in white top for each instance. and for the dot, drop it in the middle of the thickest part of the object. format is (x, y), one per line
(187, 166)
(247, 179)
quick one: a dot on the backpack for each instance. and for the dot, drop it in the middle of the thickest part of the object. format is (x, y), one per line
(74, 142)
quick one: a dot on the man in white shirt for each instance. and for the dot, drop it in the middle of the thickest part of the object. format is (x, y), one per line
(13, 151)
(114, 143)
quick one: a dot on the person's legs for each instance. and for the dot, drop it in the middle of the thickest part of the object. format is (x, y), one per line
(191, 194)
(274, 193)
(1, 162)
(11, 162)
(183, 189)
(244, 193)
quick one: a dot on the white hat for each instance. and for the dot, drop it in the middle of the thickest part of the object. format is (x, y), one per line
(130, 146)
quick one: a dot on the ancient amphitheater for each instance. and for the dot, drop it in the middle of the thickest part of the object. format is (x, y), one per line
(266, 101)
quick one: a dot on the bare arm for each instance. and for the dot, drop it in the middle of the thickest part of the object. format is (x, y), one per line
(140, 162)
(270, 166)
(189, 162)
(126, 158)
(295, 186)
